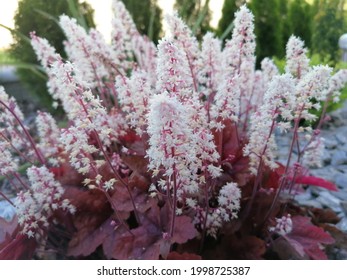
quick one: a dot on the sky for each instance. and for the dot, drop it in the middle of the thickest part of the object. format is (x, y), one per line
(103, 16)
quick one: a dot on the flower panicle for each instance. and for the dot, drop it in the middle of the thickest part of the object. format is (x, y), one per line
(134, 94)
(8, 165)
(45, 52)
(262, 145)
(297, 62)
(12, 124)
(173, 74)
(336, 83)
(182, 37)
(89, 52)
(36, 205)
(48, 133)
(209, 74)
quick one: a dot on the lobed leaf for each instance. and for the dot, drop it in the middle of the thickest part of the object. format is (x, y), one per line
(308, 238)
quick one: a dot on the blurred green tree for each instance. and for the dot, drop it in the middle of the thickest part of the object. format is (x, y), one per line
(147, 16)
(300, 20)
(285, 23)
(32, 15)
(328, 25)
(268, 28)
(228, 15)
(196, 14)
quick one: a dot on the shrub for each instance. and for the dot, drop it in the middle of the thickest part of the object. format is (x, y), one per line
(28, 17)
(169, 157)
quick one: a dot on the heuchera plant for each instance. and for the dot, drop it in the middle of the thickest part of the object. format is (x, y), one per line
(169, 151)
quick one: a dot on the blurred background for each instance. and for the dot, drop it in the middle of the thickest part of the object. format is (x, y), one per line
(320, 23)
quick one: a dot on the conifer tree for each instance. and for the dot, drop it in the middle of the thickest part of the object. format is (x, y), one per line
(267, 21)
(147, 16)
(300, 20)
(285, 23)
(228, 14)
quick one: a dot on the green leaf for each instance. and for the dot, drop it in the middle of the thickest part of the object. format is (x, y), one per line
(227, 31)
(38, 70)
(76, 13)
(47, 15)
(16, 33)
(201, 17)
(151, 24)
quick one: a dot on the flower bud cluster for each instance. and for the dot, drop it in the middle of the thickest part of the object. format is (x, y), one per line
(49, 134)
(7, 164)
(313, 155)
(297, 62)
(283, 226)
(134, 94)
(36, 205)
(11, 119)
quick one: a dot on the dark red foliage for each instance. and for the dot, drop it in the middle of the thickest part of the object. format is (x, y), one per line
(248, 247)
(129, 137)
(66, 175)
(7, 230)
(126, 223)
(142, 243)
(122, 201)
(20, 248)
(316, 181)
(307, 239)
(272, 177)
(93, 210)
(151, 239)
(85, 244)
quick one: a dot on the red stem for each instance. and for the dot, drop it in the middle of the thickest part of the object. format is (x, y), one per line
(6, 198)
(38, 153)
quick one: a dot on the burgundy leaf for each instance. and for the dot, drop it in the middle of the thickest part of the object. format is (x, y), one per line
(136, 180)
(20, 248)
(8, 230)
(90, 220)
(183, 230)
(57, 171)
(136, 163)
(143, 242)
(88, 243)
(129, 137)
(289, 250)
(139, 244)
(316, 181)
(147, 241)
(123, 202)
(308, 238)
(273, 177)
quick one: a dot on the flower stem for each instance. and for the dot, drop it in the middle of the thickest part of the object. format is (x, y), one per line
(33, 145)
(174, 201)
